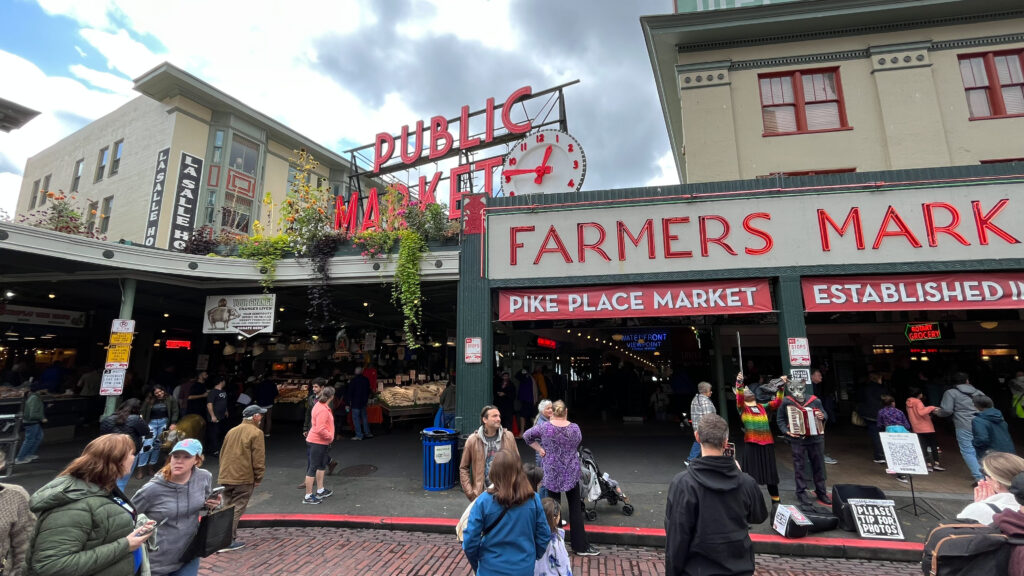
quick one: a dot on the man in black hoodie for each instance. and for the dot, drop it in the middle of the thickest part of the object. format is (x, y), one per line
(710, 507)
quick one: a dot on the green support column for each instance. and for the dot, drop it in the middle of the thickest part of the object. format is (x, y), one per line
(127, 304)
(790, 301)
(473, 320)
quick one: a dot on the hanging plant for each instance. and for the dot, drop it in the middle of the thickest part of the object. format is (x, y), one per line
(267, 251)
(405, 292)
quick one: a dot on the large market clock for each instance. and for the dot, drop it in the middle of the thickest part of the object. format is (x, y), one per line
(545, 162)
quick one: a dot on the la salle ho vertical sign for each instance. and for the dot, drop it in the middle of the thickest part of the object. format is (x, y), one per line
(187, 191)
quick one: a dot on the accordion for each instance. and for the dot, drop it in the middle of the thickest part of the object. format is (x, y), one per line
(803, 422)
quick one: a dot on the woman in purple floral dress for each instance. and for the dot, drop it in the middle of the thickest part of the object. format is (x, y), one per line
(557, 441)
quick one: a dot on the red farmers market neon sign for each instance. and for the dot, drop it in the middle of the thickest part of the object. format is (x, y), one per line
(436, 139)
(646, 300)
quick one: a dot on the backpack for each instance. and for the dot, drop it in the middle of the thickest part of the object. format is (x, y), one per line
(967, 550)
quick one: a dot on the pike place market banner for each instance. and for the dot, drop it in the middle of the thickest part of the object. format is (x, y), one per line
(645, 300)
(960, 291)
(969, 222)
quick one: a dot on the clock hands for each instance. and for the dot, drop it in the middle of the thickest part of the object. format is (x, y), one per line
(544, 168)
(540, 171)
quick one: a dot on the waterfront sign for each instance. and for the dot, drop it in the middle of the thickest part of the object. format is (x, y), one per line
(42, 316)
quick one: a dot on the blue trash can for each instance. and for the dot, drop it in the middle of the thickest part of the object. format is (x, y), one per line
(440, 465)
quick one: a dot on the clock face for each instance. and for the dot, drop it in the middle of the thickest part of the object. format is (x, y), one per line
(544, 162)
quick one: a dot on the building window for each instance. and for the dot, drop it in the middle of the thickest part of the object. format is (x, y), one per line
(244, 155)
(76, 176)
(218, 146)
(101, 166)
(115, 163)
(994, 84)
(211, 206)
(802, 101)
(90, 216)
(236, 214)
(35, 195)
(108, 205)
(45, 190)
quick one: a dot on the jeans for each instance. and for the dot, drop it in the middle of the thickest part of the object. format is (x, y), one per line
(359, 422)
(187, 569)
(876, 440)
(815, 452)
(33, 438)
(122, 482)
(152, 456)
(966, 441)
(694, 451)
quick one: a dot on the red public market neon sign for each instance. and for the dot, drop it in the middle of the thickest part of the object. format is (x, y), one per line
(437, 140)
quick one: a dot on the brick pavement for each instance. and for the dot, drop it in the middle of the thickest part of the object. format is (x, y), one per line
(321, 551)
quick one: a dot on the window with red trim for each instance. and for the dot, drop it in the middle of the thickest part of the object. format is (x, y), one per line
(994, 83)
(802, 101)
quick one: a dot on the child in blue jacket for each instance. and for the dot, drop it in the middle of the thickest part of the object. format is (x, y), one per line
(555, 561)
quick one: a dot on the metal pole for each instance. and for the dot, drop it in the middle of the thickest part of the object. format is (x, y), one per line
(127, 304)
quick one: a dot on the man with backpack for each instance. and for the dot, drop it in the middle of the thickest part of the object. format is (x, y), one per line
(958, 402)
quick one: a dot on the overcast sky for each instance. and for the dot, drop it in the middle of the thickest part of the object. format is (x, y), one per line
(340, 71)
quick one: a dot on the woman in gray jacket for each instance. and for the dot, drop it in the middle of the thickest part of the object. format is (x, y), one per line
(175, 495)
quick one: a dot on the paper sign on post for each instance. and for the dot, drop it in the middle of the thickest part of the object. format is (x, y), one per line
(117, 356)
(112, 383)
(474, 350)
(122, 325)
(903, 453)
(799, 352)
(121, 337)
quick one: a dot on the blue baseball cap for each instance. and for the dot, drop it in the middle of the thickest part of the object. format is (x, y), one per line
(190, 445)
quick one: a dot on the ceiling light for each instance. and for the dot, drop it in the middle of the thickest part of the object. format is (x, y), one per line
(315, 337)
(366, 304)
(281, 309)
(9, 294)
(370, 314)
(51, 295)
(166, 315)
(163, 331)
(988, 325)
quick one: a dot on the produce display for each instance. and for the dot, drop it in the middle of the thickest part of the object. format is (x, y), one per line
(412, 395)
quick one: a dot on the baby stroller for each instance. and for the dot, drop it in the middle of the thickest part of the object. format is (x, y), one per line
(595, 486)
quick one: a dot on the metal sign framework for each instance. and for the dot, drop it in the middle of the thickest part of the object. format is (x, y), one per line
(539, 115)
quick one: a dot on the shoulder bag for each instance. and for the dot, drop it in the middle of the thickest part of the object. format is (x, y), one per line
(214, 534)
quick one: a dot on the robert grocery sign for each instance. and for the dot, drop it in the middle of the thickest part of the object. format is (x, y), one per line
(919, 332)
(680, 299)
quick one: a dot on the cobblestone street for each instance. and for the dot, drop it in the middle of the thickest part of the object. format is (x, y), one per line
(316, 551)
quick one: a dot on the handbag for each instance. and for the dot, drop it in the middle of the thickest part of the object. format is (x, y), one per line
(214, 534)
(856, 419)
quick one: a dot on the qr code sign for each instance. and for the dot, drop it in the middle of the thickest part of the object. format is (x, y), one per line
(903, 453)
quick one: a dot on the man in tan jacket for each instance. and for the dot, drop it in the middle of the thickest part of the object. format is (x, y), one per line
(242, 465)
(481, 446)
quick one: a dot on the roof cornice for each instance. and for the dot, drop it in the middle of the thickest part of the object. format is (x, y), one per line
(167, 80)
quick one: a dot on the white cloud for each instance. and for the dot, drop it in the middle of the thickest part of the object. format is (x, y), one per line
(59, 100)
(104, 80)
(80, 51)
(667, 175)
(123, 53)
(92, 13)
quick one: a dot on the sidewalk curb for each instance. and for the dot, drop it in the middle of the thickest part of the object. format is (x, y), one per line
(820, 547)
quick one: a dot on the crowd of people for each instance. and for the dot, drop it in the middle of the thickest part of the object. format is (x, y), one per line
(83, 522)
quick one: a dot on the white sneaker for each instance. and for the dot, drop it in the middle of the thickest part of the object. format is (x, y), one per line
(21, 460)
